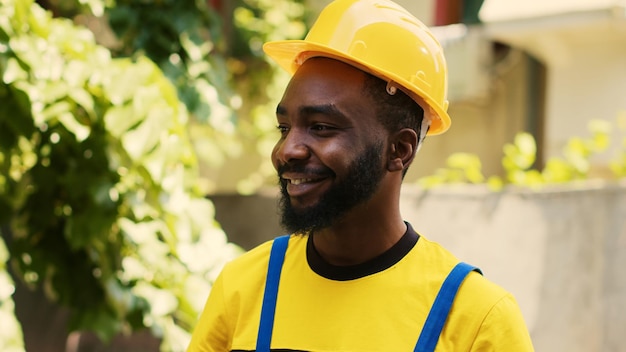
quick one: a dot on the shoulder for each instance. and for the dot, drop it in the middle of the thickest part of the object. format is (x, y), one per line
(484, 314)
(503, 328)
(249, 262)
(477, 290)
(251, 267)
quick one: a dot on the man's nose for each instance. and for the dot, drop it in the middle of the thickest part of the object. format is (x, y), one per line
(293, 146)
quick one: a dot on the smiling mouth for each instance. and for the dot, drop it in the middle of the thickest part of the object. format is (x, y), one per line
(298, 181)
(301, 186)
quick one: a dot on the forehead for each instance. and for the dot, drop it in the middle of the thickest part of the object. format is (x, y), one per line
(328, 81)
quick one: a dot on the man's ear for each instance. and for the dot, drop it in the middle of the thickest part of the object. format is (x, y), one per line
(403, 149)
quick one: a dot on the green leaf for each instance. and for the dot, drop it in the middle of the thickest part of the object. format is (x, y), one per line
(85, 100)
(495, 183)
(142, 232)
(124, 80)
(557, 171)
(79, 131)
(119, 119)
(14, 72)
(162, 302)
(53, 91)
(142, 139)
(526, 143)
(54, 111)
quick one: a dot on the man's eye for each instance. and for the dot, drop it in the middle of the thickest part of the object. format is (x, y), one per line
(321, 128)
(282, 129)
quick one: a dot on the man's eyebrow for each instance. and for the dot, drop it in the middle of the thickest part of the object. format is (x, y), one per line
(280, 110)
(307, 110)
(325, 109)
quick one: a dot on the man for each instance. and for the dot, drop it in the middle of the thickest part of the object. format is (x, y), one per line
(368, 84)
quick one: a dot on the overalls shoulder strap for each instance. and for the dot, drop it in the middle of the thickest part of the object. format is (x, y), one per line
(438, 314)
(277, 257)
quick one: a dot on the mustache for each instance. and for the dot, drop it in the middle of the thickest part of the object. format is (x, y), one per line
(303, 169)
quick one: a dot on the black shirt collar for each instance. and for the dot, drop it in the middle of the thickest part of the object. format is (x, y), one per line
(372, 266)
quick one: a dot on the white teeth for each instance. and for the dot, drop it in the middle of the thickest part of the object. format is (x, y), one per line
(300, 180)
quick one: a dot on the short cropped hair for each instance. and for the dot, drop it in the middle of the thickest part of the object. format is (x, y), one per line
(396, 111)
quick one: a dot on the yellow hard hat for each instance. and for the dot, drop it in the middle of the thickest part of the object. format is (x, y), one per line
(382, 38)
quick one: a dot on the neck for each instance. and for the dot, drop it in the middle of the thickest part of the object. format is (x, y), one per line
(364, 233)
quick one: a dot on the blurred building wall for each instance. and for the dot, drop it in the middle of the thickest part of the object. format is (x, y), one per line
(582, 44)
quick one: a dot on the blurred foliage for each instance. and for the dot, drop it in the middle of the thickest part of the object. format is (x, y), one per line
(211, 50)
(183, 38)
(520, 158)
(618, 164)
(10, 330)
(220, 74)
(99, 137)
(259, 21)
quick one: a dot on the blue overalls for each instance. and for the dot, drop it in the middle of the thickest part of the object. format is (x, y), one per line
(429, 336)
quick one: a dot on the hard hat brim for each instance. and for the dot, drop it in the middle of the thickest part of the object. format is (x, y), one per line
(290, 54)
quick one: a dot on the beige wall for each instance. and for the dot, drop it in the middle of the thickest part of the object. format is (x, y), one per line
(589, 84)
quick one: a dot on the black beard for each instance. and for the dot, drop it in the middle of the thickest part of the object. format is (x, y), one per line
(360, 185)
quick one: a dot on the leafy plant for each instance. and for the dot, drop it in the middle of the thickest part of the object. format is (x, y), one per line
(519, 162)
(212, 53)
(618, 164)
(461, 168)
(219, 69)
(100, 182)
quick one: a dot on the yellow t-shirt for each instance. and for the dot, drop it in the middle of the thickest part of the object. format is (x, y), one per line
(323, 308)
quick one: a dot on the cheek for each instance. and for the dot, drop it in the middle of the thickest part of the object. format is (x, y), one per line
(338, 156)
